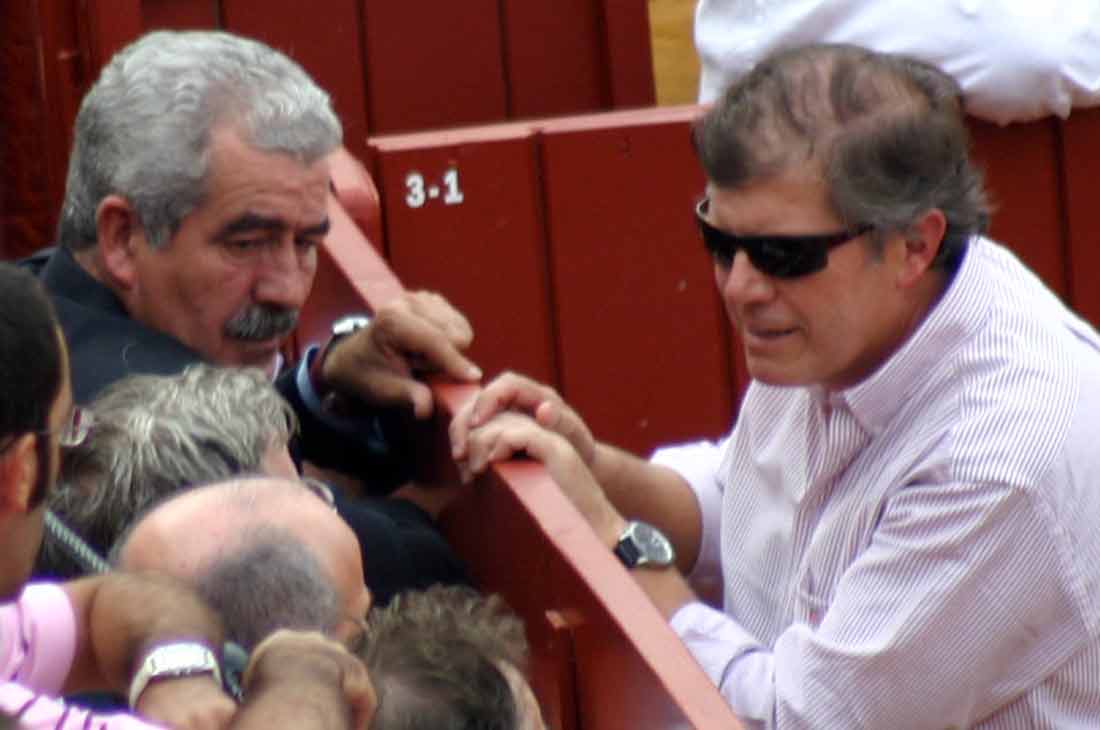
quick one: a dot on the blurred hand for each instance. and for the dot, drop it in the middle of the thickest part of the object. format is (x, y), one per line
(417, 332)
(190, 703)
(509, 433)
(308, 658)
(513, 392)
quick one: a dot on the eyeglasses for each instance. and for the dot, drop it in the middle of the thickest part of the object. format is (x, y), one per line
(784, 257)
(322, 490)
(75, 428)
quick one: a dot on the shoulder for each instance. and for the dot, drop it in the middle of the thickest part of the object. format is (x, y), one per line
(1022, 381)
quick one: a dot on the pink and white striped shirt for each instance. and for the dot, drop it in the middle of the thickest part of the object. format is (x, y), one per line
(921, 550)
(37, 645)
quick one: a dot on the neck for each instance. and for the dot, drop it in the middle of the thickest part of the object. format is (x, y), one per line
(90, 260)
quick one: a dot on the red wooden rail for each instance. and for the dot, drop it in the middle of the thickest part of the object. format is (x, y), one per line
(603, 656)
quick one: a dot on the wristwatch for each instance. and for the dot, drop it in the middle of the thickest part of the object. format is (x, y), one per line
(643, 544)
(347, 325)
(181, 659)
(343, 327)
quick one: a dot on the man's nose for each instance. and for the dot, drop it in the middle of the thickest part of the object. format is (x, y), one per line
(742, 283)
(284, 277)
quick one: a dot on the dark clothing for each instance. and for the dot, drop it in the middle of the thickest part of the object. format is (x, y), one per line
(401, 546)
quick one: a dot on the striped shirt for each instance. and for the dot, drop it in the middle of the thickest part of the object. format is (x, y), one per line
(921, 550)
(37, 644)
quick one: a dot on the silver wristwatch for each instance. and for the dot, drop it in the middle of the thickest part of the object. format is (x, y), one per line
(182, 659)
(349, 324)
(643, 544)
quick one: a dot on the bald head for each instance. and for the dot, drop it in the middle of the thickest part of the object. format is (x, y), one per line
(253, 535)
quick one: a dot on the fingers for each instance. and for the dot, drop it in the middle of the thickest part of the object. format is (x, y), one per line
(394, 388)
(511, 433)
(509, 391)
(426, 325)
(417, 332)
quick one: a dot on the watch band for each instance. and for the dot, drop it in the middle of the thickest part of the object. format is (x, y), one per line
(343, 327)
(180, 659)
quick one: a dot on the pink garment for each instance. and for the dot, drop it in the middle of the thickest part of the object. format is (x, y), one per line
(37, 643)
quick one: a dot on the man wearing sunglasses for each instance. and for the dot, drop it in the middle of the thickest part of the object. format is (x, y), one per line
(902, 521)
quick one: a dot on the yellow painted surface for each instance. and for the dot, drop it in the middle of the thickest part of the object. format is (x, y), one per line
(675, 64)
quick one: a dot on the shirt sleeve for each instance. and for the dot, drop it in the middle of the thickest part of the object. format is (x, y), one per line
(38, 712)
(961, 601)
(374, 444)
(698, 464)
(38, 633)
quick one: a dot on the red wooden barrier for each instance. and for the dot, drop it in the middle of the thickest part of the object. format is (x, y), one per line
(1022, 165)
(463, 216)
(641, 338)
(575, 255)
(604, 658)
(1080, 153)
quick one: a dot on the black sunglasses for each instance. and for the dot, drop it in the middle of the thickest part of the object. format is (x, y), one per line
(784, 257)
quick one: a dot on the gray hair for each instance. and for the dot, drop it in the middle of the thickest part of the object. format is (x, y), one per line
(434, 658)
(143, 131)
(886, 129)
(155, 435)
(269, 581)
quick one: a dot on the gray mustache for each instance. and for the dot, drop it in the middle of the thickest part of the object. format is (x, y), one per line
(261, 322)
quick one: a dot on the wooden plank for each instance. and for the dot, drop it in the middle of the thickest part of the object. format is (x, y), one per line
(433, 67)
(629, 53)
(326, 41)
(462, 216)
(555, 57)
(1021, 163)
(641, 345)
(1080, 153)
(604, 657)
(180, 14)
(109, 26)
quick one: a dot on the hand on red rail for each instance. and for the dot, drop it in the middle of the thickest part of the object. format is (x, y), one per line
(415, 333)
(514, 392)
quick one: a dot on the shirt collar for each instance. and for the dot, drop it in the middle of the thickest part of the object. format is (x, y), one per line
(959, 312)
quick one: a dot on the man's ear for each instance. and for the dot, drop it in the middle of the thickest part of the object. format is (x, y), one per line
(922, 242)
(118, 230)
(18, 474)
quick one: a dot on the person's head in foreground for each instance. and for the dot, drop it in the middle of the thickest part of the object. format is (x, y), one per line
(448, 657)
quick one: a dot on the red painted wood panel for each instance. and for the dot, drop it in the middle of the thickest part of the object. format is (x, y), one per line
(1081, 154)
(433, 66)
(629, 53)
(179, 14)
(555, 57)
(1022, 164)
(603, 657)
(640, 343)
(462, 216)
(629, 669)
(326, 40)
(110, 25)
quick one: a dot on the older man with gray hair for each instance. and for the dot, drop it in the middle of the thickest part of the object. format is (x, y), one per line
(196, 200)
(153, 436)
